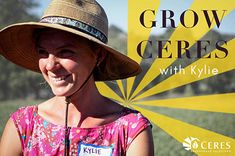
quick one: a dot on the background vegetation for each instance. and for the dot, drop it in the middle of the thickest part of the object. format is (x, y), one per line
(19, 87)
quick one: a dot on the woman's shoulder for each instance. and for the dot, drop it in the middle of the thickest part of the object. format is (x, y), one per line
(125, 113)
(28, 111)
(23, 116)
(133, 117)
(24, 111)
(130, 125)
(130, 122)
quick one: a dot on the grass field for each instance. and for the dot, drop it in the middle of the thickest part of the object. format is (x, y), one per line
(165, 145)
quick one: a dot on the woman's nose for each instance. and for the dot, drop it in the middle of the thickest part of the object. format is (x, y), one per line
(52, 62)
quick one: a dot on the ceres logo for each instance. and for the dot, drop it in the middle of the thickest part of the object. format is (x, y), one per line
(193, 144)
(190, 143)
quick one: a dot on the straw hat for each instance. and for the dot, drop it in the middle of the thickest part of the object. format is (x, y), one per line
(85, 18)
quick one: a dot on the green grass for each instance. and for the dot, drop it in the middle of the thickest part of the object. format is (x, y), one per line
(165, 145)
(8, 107)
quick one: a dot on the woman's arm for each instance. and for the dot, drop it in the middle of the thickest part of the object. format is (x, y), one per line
(10, 142)
(142, 145)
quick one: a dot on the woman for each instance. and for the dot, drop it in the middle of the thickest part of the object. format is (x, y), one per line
(68, 47)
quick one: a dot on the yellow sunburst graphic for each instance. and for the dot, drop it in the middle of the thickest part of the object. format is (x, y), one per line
(136, 93)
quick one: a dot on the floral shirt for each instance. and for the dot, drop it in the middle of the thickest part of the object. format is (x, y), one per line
(42, 138)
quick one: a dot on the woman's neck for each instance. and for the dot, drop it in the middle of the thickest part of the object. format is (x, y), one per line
(87, 102)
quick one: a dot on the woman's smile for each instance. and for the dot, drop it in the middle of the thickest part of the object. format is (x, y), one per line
(60, 80)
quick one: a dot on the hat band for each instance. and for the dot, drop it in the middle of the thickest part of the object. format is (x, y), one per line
(78, 25)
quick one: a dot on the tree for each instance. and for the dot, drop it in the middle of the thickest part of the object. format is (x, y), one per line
(13, 11)
(16, 82)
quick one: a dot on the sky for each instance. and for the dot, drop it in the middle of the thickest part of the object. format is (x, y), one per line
(117, 12)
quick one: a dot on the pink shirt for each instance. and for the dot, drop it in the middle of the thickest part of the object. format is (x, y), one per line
(42, 138)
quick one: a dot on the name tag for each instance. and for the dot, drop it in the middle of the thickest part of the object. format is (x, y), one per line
(94, 150)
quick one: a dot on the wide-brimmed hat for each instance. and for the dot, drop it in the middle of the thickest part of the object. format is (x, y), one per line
(85, 18)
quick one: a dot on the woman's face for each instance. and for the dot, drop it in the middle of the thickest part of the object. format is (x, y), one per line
(64, 60)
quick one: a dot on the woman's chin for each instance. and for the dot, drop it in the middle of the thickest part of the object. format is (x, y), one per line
(62, 92)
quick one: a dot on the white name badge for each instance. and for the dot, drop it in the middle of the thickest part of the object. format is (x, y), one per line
(94, 150)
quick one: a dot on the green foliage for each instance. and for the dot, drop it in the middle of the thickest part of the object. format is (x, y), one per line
(166, 145)
(16, 82)
(13, 11)
(117, 39)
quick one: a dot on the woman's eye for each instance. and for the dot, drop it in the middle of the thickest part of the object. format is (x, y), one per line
(66, 53)
(42, 53)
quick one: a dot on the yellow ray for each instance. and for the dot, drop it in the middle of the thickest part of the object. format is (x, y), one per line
(213, 103)
(106, 91)
(191, 72)
(181, 130)
(189, 34)
(136, 32)
(120, 85)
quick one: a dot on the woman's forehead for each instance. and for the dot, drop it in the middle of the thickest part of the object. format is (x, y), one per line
(53, 33)
(53, 38)
(54, 41)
